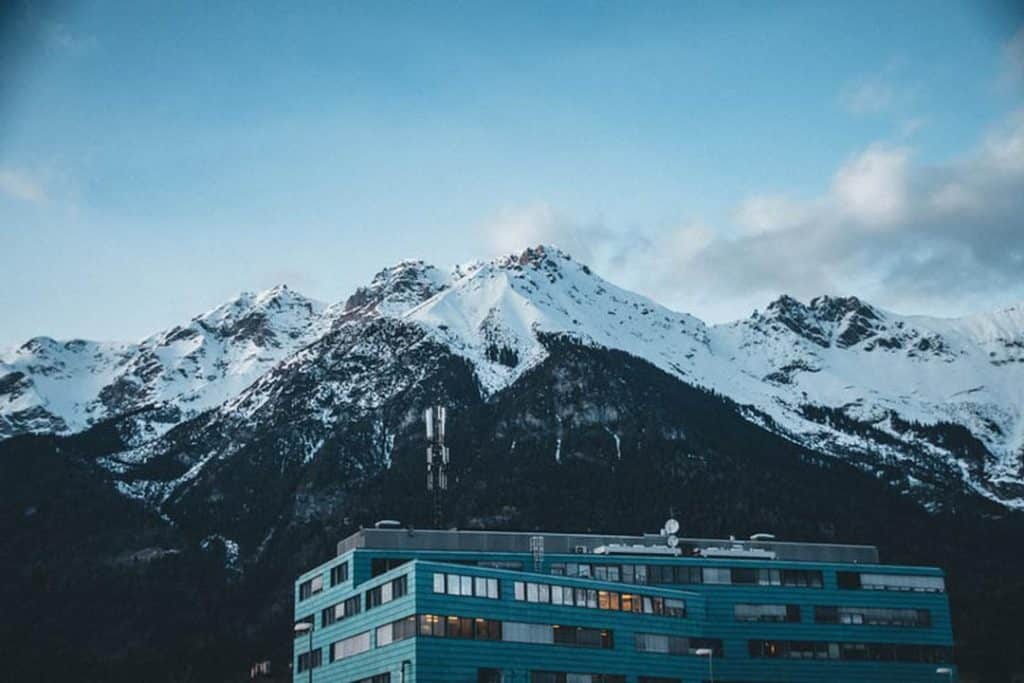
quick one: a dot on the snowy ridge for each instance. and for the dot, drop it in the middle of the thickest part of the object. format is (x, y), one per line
(942, 398)
(64, 387)
(495, 313)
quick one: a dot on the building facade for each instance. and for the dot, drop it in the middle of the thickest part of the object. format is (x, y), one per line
(403, 605)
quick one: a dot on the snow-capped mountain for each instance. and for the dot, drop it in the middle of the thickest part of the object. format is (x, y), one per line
(930, 403)
(63, 387)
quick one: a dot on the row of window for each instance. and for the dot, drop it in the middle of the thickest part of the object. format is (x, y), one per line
(466, 628)
(562, 677)
(310, 587)
(873, 616)
(598, 599)
(753, 576)
(829, 614)
(477, 628)
(472, 586)
(774, 613)
(690, 574)
(676, 645)
(883, 652)
(744, 576)
(890, 582)
(386, 592)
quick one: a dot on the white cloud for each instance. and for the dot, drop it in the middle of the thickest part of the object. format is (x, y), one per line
(941, 239)
(871, 187)
(21, 185)
(768, 213)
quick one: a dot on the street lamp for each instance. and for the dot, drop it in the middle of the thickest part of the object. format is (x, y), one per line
(710, 654)
(306, 627)
(945, 671)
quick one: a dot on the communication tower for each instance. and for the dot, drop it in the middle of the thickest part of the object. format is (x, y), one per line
(437, 458)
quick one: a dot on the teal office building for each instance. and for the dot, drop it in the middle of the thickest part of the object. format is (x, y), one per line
(398, 605)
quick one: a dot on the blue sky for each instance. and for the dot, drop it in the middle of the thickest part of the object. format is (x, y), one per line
(158, 158)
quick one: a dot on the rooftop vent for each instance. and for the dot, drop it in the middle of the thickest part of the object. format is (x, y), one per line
(387, 524)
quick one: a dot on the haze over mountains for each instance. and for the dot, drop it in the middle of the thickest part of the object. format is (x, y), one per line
(932, 405)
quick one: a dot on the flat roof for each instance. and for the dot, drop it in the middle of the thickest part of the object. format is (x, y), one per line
(456, 540)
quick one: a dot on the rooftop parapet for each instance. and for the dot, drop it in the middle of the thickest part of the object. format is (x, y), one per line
(409, 539)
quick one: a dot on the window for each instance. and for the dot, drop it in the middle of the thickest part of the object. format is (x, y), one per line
(379, 565)
(387, 592)
(339, 574)
(350, 647)
(396, 630)
(583, 637)
(471, 586)
(675, 607)
(311, 620)
(902, 582)
(744, 576)
(477, 628)
(873, 616)
(803, 578)
(489, 676)
(883, 652)
(431, 625)
(717, 575)
(516, 632)
(311, 587)
(792, 649)
(665, 573)
(598, 599)
(848, 580)
(676, 645)
(309, 660)
(777, 613)
(342, 610)
(558, 634)
(379, 678)
(560, 677)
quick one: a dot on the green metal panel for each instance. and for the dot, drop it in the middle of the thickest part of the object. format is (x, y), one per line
(709, 614)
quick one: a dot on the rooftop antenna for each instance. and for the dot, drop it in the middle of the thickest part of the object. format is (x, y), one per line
(670, 530)
(437, 458)
(537, 550)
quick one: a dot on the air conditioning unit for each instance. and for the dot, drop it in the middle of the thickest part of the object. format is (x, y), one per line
(580, 550)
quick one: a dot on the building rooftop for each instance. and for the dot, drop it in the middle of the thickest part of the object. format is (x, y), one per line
(453, 540)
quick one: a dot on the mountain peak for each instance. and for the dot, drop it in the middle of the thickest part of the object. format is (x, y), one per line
(396, 289)
(835, 308)
(541, 257)
(277, 307)
(827, 320)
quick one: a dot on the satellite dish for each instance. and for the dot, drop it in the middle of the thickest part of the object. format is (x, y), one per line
(672, 541)
(671, 526)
